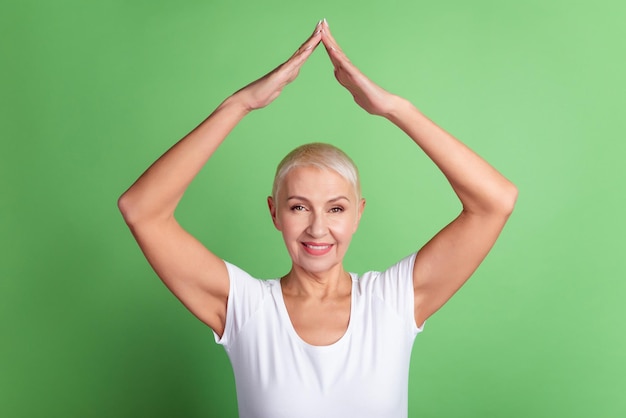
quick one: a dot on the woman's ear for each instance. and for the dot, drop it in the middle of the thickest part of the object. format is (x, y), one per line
(272, 207)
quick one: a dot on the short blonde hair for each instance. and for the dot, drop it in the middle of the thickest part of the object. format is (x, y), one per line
(320, 155)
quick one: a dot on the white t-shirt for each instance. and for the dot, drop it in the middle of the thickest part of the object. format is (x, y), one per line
(364, 374)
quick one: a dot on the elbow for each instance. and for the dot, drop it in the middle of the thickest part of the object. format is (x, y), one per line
(506, 199)
(138, 209)
(495, 202)
(128, 208)
(125, 207)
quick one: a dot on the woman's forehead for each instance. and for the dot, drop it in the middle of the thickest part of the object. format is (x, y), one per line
(316, 182)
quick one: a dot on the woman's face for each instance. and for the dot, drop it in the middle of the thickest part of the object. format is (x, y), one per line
(317, 212)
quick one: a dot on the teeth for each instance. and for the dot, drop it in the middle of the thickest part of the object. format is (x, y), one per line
(317, 247)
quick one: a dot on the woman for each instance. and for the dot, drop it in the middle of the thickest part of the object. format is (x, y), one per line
(318, 342)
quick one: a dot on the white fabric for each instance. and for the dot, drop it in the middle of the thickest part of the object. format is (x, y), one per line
(364, 374)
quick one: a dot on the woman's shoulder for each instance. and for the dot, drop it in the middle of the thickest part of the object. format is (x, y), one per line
(240, 275)
(402, 268)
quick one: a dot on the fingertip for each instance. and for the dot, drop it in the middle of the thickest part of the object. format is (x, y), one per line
(318, 29)
(326, 30)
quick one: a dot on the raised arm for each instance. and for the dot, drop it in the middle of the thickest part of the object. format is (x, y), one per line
(445, 263)
(194, 274)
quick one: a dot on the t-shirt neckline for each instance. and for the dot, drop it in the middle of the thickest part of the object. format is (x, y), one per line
(284, 313)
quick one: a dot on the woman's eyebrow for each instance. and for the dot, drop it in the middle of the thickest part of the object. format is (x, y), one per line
(297, 198)
(334, 199)
(338, 198)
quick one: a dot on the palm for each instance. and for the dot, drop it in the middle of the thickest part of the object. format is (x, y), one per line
(266, 89)
(371, 97)
(366, 94)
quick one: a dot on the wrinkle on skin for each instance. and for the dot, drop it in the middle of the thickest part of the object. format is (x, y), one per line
(316, 207)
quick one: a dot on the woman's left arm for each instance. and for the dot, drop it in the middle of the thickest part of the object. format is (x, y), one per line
(445, 263)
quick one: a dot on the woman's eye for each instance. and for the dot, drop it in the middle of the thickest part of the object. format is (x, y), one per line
(336, 209)
(297, 208)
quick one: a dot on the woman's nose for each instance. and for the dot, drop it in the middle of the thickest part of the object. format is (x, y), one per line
(317, 225)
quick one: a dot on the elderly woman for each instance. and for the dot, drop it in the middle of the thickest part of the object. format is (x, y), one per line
(318, 342)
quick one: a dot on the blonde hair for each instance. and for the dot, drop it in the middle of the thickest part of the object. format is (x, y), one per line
(320, 155)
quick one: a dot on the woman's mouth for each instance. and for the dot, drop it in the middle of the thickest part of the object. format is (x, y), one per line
(317, 249)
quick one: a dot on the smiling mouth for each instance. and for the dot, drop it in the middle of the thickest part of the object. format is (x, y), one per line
(316, 249)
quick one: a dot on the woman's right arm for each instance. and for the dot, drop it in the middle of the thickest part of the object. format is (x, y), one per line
(196, 276)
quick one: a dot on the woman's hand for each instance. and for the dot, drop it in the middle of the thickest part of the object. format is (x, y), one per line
(367, 94)
(263, 91)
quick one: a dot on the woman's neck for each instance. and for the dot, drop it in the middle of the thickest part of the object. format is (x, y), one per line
(327, 284)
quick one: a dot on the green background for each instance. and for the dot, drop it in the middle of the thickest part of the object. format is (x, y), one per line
(93, 92)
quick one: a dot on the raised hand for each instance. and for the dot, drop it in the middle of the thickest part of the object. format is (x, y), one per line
(263, 91)
(367, 94)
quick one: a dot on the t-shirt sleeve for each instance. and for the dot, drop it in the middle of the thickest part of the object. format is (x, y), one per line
(245, 296)
(395, 287)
